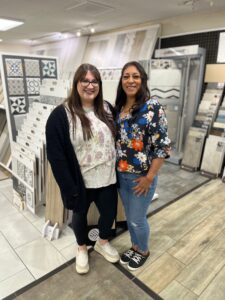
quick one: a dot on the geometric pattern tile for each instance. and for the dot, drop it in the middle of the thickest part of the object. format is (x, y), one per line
(33, 86)
(20, 169)
(32, 67)
(28, 176)
(14, 67)
(18, 105)
(16, 86)
(48, 68)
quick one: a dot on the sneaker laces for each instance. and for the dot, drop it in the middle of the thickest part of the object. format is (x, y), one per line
(137, 257)
(129, 253)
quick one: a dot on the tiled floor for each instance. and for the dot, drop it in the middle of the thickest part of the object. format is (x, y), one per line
(25, 256)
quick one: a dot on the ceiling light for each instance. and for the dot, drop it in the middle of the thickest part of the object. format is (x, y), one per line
(6, 24)
(92, 30)
(78, 33)
(1, 40)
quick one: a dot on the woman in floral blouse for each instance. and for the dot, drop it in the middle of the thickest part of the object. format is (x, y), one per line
(142, 146)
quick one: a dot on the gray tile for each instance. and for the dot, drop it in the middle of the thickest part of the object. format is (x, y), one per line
(103, 280)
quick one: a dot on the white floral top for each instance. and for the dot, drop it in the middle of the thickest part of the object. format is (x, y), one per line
(97, 156)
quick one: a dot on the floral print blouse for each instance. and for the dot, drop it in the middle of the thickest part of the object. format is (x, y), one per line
(142, 139)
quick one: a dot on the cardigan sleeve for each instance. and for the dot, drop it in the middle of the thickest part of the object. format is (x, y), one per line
(56, 145)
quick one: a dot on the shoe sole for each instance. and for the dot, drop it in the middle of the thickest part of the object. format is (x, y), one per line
(82, 270)
(134, 269)
(105, 255)
(124, 262)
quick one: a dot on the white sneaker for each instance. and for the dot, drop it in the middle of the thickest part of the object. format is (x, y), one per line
(82, 265)
(108, 251)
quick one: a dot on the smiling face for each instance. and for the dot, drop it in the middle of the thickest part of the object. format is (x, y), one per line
(88, 89)
(131, 81)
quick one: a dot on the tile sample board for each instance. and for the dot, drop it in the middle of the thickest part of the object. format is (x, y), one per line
(213, 156)
(193, 148)
(119, 48)
(22, 77)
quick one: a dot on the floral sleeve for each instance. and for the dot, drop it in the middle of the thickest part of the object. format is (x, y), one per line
(158, 130)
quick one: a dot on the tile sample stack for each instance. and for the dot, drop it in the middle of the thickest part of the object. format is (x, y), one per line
(213, 156)
(193, 148)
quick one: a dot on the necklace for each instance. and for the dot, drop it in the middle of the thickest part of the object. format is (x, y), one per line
(88, 109)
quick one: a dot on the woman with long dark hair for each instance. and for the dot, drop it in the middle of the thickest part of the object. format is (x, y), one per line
(80, 137)
(142, 145)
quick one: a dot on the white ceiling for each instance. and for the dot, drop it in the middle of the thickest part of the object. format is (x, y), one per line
(45, 18)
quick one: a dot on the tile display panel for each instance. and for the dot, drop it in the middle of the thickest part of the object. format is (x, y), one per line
(119, 48)
(23, 76)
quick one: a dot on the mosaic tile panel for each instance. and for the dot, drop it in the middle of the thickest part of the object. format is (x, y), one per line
(32, 67)
(48, 68)
(14, 67)
(18, 105)
(33, 86)
(16, 86)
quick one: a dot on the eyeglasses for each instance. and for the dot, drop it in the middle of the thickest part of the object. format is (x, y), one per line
(85, 83)
(127, 77)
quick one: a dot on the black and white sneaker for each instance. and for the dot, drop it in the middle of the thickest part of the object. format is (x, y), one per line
(137, 261)
(126, 256)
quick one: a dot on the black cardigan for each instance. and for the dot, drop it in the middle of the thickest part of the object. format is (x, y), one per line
(63, 160)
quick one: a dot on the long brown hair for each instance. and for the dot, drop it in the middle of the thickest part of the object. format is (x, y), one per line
(75, 105)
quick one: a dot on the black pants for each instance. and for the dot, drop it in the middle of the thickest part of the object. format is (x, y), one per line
(105, 199)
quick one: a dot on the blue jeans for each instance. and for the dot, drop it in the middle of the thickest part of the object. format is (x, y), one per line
(136, 209)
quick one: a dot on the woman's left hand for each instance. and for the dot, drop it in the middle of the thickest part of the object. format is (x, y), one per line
(143, 185)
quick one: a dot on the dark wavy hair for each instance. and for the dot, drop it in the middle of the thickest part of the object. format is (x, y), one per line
(75, 105)
(142, 95)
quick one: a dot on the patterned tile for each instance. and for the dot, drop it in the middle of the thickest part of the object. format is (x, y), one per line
(14, 67)
(33, 99)
(18, 105)
(28, 176)
(32, 67)
(20, 169)
(48, 68)
(51, 100)
(16, 86)
(33, 86)
(29, 199)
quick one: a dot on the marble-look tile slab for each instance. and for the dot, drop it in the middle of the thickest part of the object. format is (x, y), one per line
(15, 282)
(161, 272)
(202, 270)
(176, 291)
(4, 244)
(18, 230)
(40, 257)
(10, 264)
